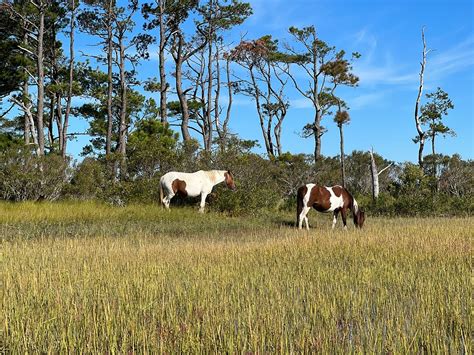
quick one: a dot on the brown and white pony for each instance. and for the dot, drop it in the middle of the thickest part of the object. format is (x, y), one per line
(193, 184)
(327, 199)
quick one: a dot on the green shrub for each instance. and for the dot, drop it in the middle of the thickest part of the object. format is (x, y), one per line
(24, 176)
(88, 180)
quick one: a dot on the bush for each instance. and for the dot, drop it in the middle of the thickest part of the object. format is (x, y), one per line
(88, 180)
(257, 187)
(24, 176)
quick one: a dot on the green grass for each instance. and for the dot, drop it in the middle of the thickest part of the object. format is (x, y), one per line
(94, 278)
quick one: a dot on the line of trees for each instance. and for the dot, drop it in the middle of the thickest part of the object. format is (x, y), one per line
(191, 35)
(199, 72)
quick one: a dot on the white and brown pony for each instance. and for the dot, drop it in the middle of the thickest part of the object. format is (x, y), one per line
(327, 199)
(193, 184)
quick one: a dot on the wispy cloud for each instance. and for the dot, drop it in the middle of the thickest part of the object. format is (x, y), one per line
(362, 101)
(271, 15)
(452, 60)
(301, 103)
(366, 40)
(387, 71)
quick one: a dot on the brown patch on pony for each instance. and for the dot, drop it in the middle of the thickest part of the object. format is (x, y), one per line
(337, 190)
(319, 198)
(212, 176)
(179, 187)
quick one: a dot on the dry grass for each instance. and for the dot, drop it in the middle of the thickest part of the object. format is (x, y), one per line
(92, 278)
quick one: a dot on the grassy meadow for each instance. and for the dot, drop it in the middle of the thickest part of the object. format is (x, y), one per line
(87, 277)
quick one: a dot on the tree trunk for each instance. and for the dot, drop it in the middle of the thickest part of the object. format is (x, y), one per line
(183, 102)
(180, 56)
(40, 63)
(208, 117)
(210, 83)
(59, 121)
(163, 83)
(26, 96)
(108, 140)
(71, 78)
(317, 105)
(435, 165)
(343, 171)
(421, 133)
(317, 137)
(277, 133)
(217, 96)
(420, 150)
(51, 122)
(123, 111)
(229, 105)
(271, 150)
(375, 177)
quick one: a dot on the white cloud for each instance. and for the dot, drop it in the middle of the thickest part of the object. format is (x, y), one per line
(452, 60)
(388, 72)
(301, 103)
(364, 100)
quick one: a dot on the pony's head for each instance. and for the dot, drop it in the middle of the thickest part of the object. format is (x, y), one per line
(229, 180)
(359, 217)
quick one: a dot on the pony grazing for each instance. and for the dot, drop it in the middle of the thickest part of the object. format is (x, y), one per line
(193, 184)
(327, 199)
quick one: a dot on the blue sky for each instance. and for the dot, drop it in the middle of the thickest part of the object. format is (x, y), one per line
(388, 35)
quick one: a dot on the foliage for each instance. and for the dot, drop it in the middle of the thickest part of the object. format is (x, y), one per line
(433, 111)
(88, 180)
(151, 148)
(24, 176)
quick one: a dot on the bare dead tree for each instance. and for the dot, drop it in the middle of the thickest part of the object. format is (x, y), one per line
(420, 139)
(375, 175)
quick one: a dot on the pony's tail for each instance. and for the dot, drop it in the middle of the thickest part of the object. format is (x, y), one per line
(299, 204)
(161, 194)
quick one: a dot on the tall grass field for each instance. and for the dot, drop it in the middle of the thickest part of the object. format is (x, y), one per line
(87, 277)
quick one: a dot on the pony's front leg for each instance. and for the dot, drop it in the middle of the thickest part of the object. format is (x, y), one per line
(334, 220)
(303, 218)
(166, 202)
(203, 202)
(344, 216)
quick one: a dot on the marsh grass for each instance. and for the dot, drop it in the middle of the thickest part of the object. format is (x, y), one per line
(93, 278)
